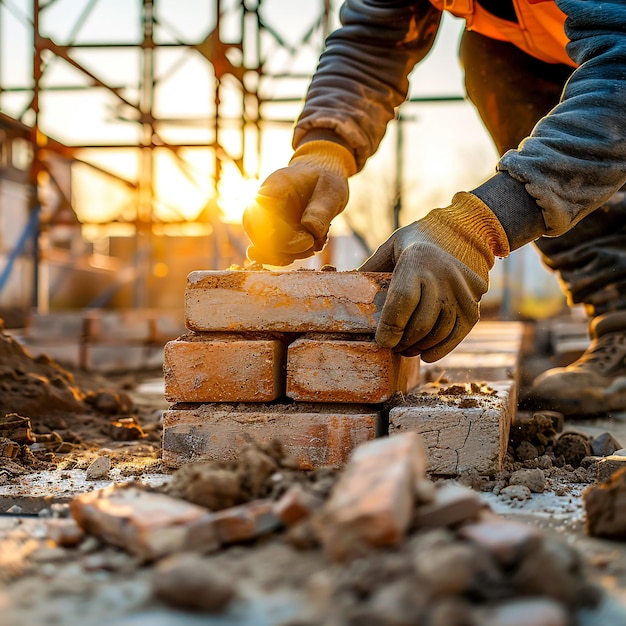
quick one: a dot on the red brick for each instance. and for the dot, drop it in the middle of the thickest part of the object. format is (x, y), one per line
(343, 370)
(245, 522)
(149, 525)
(296, 504)
(284, 301)
(373, 500)
(313, 434)
(464, 427)
(224, 368)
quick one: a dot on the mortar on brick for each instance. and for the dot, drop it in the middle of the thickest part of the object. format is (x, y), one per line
(464, 426)
(314, 435)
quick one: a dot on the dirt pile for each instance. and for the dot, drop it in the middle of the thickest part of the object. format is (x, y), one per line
(47, 414)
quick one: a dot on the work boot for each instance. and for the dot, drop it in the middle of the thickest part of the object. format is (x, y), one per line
(596, 382)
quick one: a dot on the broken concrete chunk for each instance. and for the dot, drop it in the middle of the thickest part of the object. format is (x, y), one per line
(534, 479)
(190, 582)
(246, 521)
(452, 505)
(605, 506)
(609, 465)
(522, 612)
(372, 502)
(516, 492)
(508, 541)
(149, 525)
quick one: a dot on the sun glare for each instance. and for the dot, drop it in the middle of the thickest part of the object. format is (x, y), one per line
(235, 193)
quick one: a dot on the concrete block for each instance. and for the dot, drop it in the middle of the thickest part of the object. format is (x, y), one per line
(464, 426)
(373, 500)
(341, 370)
(284, 301)
(224, 368)
(314, 435)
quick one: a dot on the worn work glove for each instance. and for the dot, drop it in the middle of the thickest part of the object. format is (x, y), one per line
(440, 270)
(291, 214)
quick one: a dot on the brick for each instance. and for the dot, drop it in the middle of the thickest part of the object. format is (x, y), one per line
(246, 521)
(372, 502)
(284, 301)
(464, 426)
(459, 366)
(224, 368)
(314, 435)
(342, 370)
(609, 465)
(296, 504)
(149, 525)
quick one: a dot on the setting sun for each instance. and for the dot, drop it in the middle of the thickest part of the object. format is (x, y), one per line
(234, 193)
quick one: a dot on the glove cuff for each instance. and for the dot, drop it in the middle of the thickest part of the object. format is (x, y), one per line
(469, 230)
(327, 154)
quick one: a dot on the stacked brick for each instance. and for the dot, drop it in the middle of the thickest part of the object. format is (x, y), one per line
(291, 355)
(286, 354)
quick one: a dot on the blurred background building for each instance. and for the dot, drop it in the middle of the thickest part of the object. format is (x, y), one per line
(134, 132)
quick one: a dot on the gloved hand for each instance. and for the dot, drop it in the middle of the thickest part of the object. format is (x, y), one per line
(440, 270)
(291, 214)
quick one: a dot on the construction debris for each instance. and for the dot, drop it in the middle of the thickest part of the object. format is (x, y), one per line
(605, 505)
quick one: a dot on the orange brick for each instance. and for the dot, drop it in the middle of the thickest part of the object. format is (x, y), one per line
(215, 368)
(314, 435)
(284, 301)
(342, 370)
(373, 501)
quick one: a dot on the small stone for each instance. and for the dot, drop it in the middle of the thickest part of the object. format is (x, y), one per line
(604, 444)
(534, 479)
(516, 492)
(526, 451)
(522, 612)
(188, 581)
(452, 504)
(99, 468)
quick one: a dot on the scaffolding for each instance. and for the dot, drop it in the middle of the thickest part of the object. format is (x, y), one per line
(126, 64)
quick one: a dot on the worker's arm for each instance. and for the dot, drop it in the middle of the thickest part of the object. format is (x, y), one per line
(362, 77)
(574, 160)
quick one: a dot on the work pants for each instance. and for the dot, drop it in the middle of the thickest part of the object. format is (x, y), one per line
(512, 91)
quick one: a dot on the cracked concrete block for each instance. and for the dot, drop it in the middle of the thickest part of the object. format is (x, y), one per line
(464, 426)
(285, 301)
(220, 367)
(313, 434)
(339, 369)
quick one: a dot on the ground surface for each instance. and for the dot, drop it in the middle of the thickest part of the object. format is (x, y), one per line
(78, 417)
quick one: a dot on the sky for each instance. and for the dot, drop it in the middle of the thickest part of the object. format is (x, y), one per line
(446, 148)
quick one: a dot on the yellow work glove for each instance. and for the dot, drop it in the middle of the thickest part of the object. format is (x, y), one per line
(440, 268)
(291, 214)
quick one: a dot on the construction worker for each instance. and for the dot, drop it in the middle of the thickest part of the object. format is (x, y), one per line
(549, 81)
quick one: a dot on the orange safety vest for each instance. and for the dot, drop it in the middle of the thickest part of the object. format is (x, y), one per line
(540, 31)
